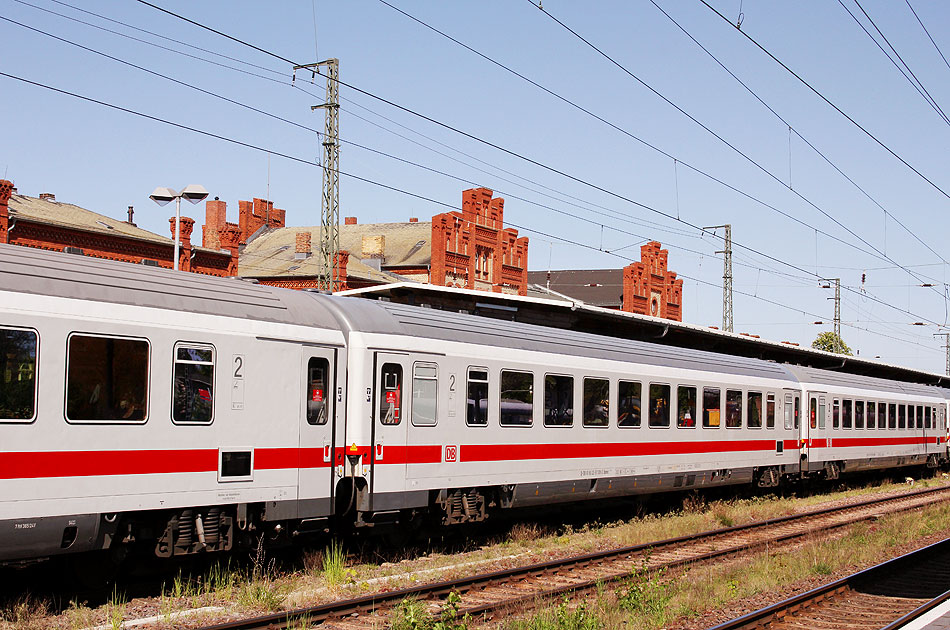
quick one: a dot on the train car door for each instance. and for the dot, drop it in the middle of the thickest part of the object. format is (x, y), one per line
(815, 428)
(391, 378)
(321, 459)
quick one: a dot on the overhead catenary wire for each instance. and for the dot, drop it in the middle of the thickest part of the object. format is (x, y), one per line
(704, 126)
(831, 104)
(667, 215)
(362, 179)
(929, 36)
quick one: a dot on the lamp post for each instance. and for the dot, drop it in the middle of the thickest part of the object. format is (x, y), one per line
(193, 193)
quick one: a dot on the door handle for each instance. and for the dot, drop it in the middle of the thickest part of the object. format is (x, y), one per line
(326, 451)
(379, 451)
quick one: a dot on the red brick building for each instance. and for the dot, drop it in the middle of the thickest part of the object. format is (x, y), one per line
(45, 223)
(473, 250)
(649, 288)
(469, 249)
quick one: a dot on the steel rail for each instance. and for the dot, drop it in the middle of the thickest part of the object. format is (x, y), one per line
(371, 603)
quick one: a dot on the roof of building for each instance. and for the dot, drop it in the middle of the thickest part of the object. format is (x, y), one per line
(273, 252)
(71, 216)
(597, 287)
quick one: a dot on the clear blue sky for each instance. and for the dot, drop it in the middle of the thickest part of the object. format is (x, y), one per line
(105, 159)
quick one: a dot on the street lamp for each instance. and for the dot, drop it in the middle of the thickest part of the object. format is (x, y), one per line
(193, 193)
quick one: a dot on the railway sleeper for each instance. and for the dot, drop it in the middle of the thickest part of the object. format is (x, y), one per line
(195, 530)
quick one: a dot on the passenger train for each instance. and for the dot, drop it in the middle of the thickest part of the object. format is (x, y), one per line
(178, 413)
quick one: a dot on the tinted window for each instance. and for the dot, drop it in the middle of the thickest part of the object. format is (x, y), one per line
(659, 405)
(390, 393)
(770, 411)
(107, 379)
(872, 414)
(596, 402)
(859, 414)
(517, 398)
(813, 413)
(194, 384)
(821, 412)
(789, 414)
(558, 401)
(318, 392)
(685, 406)
(835, 414)
(628, 409)
(901, 416)
(17, 374)
(755, 410)
(846, 419)
(733, 409)
(712, 406)
(425, 394)
(892, 416)
(927, 424)
(920, 416)
(476, 406)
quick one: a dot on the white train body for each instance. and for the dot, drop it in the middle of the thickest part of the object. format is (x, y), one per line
(176, 411)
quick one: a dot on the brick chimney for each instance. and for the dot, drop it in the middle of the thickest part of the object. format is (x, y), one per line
(413, 219)
(303, 249)
(6, 189)
(229, 237)
(47, 197)
(349, 221)
(216, 214)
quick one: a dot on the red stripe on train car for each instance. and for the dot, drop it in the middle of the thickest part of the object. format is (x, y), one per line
(503, 452)
(415, 454)
(873, 441)
(94, 463)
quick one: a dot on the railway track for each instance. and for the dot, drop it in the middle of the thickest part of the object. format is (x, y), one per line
(888, 595)
(522, 587)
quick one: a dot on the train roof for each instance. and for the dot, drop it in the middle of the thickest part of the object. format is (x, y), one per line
(40, 272)
(827, 377)
(448, 326)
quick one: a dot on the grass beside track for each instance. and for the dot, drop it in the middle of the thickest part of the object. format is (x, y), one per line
(644, 601)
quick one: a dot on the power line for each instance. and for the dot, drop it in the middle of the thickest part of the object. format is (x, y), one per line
(905, 71)
(709, 130)
(460, 132)
(921, 22)
(803, 139)
(829, 102)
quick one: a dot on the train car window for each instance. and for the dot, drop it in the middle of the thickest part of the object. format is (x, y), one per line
(835, 413)
(712, 407)
(901, 416)
(813, 413)
(425, 394)
(17, 375)
(193, 384)
(920, 416)
(859, 414)
(390, 394)
(821, 412)
(558, 400)
(686, 407)
(318, 390)
(476, 414)
(517, 398)
(846, 418)
(788, 411)
(733, 409)
(628, 407)
(754, 420)
(106, 379)
(926, 417)
(770, 410)
(872, 414)
(881, 415)
(659, 405)
(596, 402)
(798, 403)
(892, 416)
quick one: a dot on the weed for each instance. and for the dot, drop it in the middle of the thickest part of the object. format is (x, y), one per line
(78, 615)
(26, 612)
(645, 593)
(562, 617)
(334, 564)
(522, 533)
(411, 614)
(115, 609)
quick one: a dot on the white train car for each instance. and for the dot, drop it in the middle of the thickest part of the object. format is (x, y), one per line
(178, 413)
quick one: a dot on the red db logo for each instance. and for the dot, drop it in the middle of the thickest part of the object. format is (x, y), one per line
(451, 453)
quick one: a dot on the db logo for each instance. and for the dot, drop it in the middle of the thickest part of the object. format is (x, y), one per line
(451, 453)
